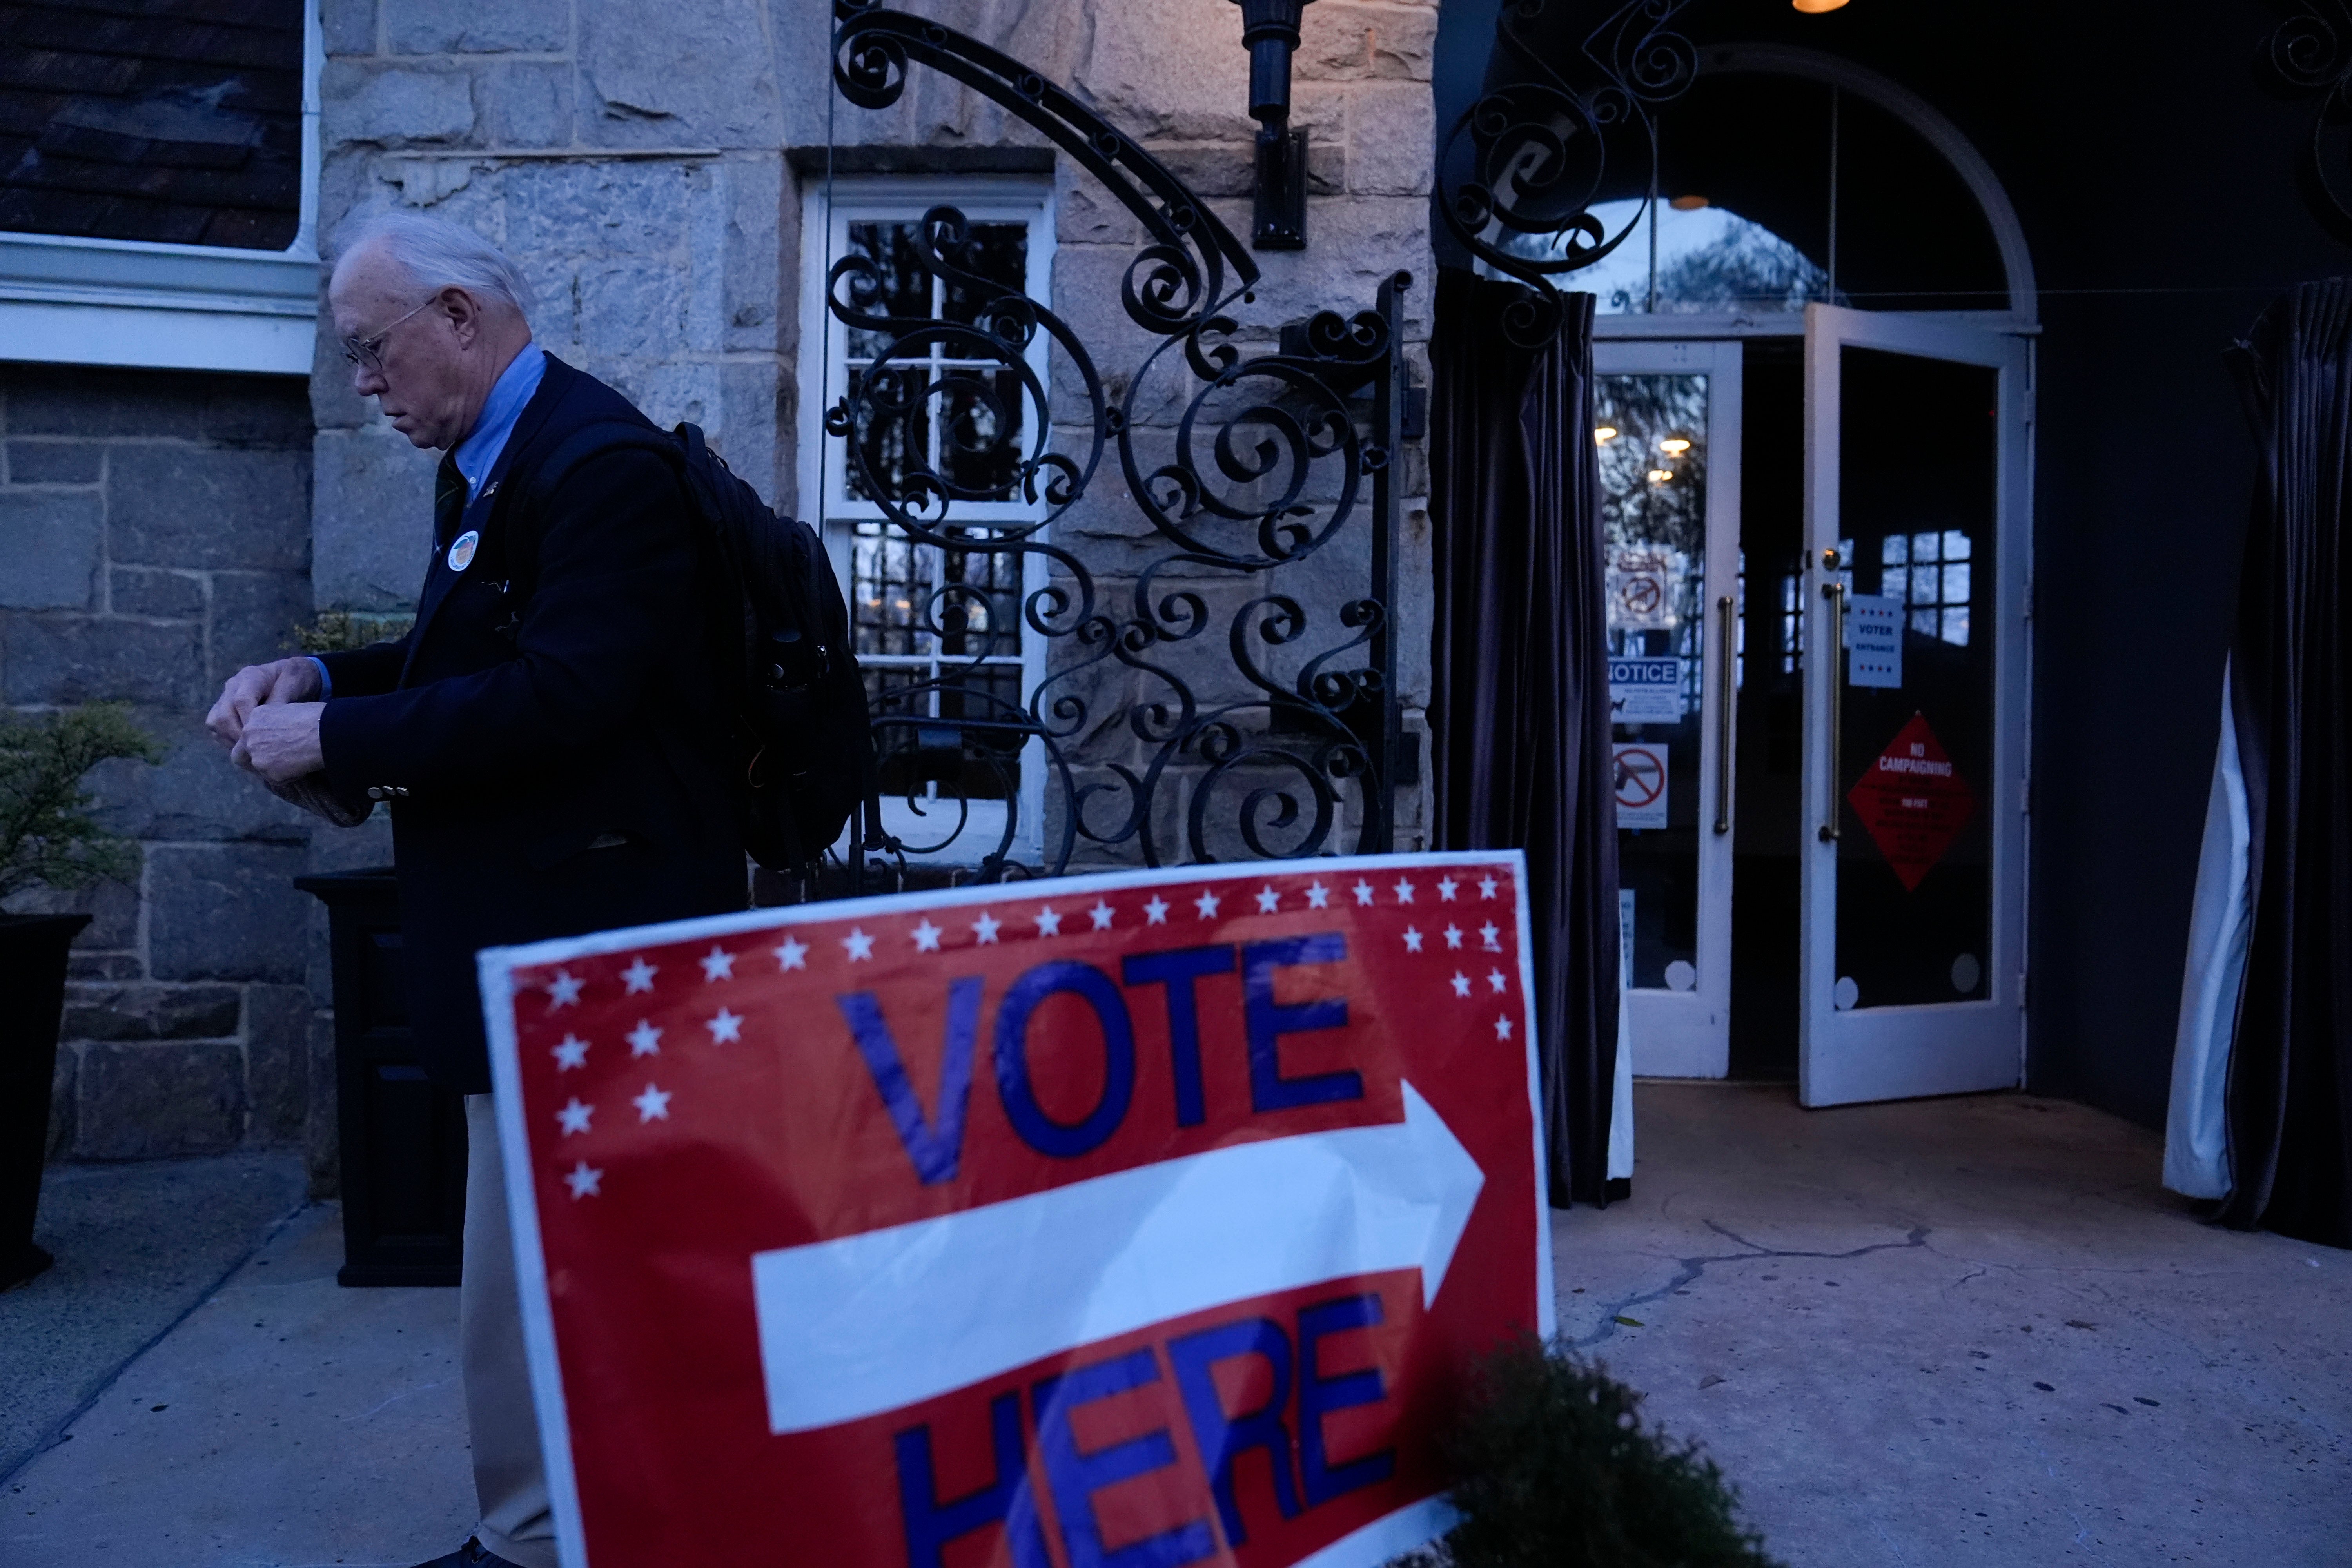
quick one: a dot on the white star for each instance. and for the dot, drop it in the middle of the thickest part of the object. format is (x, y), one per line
(1318, 897)
(640, 976)
(1403, 892)
(1461, 984)
(986, 927)
(571, 1052)
(582, 1179)
(1268, 901)
(1453, 936)
(1502, 1028)
(725, 1028)
(926, 936)
(858, 944)
(1101, 914)
(1486, 886)
(1364, 892)
(718, 964)
(1488, 933)
(563, 991)
(1495, 978)
(573, 1117)
(1049, 922)
(793, 954)
(645, 1040)
(1156, 911)
(1446, 887)
(1412, 940)
(1206, 903)
(653, 1105)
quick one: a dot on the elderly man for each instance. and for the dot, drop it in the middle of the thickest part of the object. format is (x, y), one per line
(548, 733)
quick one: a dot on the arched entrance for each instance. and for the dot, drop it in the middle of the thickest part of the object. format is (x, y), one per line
(1814, 417)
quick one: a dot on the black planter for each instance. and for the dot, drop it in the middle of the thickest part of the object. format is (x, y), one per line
(32, 999)
(402, 1140)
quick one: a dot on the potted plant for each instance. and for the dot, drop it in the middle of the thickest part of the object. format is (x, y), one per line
(47, 839)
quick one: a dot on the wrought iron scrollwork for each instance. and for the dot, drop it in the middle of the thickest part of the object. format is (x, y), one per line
(2310, 55)
(1242, 463)
(1520, 171)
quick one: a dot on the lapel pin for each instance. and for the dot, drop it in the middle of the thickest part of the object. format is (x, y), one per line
(461, 550)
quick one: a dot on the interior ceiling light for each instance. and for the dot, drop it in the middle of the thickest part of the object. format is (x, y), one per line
(1660, 476)
(1816, 8)
(1603, 434)
(1674, 445)
(1688, 203)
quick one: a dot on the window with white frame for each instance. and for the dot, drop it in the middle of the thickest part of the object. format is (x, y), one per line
(949, 662)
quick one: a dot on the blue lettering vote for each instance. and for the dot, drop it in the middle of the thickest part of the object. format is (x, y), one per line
(1018, 1090)
(1268, 1021)
(936, 1146)
(1077, 1476)
(1177, 968)
(1005, 1501)
(1224, 1438)
(1319, 1396)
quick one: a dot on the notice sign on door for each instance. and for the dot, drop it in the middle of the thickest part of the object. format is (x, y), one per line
(1154, 1217)
(1645, 690)
(1873, 640)
(1912, 802)
(1640, 784)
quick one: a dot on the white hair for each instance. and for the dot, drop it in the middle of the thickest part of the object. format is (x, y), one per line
(437, 254)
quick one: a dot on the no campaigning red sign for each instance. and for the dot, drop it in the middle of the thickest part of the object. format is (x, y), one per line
(1141, 1219)
(1912, 802)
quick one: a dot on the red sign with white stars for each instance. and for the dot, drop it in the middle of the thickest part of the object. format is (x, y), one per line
(1912, 802)
(1126, 1221)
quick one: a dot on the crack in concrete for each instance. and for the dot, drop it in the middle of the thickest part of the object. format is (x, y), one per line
(1690, 1268)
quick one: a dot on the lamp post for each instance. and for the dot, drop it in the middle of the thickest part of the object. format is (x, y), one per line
(1270, 33)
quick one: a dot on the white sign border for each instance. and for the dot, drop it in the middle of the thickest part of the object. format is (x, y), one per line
(1380, 1541)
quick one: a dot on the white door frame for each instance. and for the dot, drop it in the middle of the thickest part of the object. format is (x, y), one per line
(1951, 1047)
(1687, 1033)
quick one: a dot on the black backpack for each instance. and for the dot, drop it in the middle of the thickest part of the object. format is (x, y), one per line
(777, 612)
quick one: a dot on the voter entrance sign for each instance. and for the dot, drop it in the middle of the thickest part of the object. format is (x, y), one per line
(1124, 1221)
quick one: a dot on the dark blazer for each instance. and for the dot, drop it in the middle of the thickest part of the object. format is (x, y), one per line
(548, 733)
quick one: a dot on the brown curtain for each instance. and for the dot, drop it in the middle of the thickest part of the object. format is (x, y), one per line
(1519, 705)
(2290, 1077)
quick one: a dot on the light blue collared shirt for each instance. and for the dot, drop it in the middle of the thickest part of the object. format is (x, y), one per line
(477, 453)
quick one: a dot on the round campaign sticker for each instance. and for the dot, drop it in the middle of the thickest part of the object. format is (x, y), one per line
(461, 550)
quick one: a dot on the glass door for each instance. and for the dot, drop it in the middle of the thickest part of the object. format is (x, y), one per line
(1667, 424)
(1912, 942)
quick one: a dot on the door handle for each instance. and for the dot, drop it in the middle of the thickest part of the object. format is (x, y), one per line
(1833, 640)
(1726, 657)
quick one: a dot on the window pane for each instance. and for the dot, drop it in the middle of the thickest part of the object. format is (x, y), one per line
(998, 252)
(890, 584)
(894, 414)
(1894, 550)
(1956, 545)
(1956, 585)
(1926, 547)
(901, 285)
(1924, 581)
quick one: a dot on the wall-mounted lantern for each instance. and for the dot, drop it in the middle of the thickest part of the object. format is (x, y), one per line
(1270, 33)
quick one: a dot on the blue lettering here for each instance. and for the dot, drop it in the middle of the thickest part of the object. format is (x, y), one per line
(1223, 1437)
(1005, 1501)
(1077, 1476)
(935, 1146)
(1318, 1397)
(1018, 1090)
(1268, 1021)
(1178, 968)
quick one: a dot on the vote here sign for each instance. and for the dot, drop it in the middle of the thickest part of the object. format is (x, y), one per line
(1115, 1222)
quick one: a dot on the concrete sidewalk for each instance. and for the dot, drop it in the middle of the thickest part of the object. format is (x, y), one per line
(1968, 1333)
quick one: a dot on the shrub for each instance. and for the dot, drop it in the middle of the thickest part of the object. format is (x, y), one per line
(47, 837)
(1557, 1470)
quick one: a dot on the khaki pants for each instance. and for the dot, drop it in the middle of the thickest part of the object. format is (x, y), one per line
(510, 1479)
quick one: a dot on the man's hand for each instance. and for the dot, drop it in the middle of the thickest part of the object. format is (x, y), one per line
(280, 740)
(280, 681)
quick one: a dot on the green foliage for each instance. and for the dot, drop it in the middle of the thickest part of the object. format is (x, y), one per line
(337, 630)
(1557, 1471)
(47, 837)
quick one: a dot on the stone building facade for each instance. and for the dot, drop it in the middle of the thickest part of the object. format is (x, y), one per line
(651, 168)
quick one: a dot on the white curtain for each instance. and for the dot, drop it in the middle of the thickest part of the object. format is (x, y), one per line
(2196, 1134)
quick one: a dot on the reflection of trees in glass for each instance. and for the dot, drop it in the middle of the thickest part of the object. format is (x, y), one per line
(1647, 412)
(1750, 268)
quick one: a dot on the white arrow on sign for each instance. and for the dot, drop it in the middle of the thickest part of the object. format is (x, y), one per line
(871, 1322)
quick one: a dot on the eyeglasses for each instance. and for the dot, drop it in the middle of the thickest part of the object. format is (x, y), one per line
(369, 352)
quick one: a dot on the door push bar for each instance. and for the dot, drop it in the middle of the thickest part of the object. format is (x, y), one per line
(1725, 654)
(1833, 641)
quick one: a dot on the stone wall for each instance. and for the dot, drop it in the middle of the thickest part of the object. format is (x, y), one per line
(154, 536)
